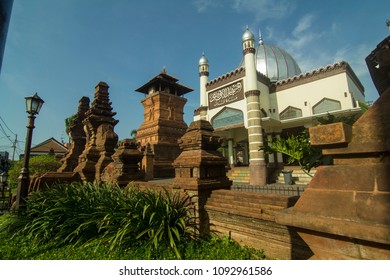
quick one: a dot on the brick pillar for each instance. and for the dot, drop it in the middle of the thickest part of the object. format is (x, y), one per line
(199, 169)
(125, 166)
(148, 163)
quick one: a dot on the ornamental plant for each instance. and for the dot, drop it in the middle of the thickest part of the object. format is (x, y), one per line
(103, 215)
(298, 150)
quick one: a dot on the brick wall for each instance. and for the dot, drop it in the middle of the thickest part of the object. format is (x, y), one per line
(249, 219)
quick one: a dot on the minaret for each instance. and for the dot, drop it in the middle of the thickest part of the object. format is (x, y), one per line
(203, 76)
(163, 123)
(257, 165)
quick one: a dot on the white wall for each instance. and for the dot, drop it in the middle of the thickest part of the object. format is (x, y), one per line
(333, 87)
(355, 91)
(264, 97)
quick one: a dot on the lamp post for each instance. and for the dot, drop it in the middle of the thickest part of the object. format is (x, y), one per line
(33, 106)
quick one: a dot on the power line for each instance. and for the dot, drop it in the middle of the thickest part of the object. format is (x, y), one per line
(7, 126)
(5, 133)
(15, 144)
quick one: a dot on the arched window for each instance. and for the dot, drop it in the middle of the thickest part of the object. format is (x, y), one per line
(228, 117)
(290, 113)
(326, 105)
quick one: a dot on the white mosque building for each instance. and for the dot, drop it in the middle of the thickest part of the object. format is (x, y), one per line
(268, 96)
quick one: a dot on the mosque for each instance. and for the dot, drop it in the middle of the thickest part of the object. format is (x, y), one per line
(267, 96)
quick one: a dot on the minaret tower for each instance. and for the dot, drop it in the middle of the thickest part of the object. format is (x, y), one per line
(257, 165)
(163, 122)
(204, 77)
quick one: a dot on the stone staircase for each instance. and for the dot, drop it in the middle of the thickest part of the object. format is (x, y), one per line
(262, 206)
(239, 174)
(299, 176)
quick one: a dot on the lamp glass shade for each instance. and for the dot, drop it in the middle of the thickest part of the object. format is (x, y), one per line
(3, 177)
(33, 104)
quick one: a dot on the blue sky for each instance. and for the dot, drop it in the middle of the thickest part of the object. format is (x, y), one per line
(62, 49)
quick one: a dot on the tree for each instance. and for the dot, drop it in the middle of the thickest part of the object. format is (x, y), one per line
(298, 150)
(350, 120)
(68, 122)
(133, 134)
(38, 165)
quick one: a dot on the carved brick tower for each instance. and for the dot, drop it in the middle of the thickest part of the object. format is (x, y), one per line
(163, 122)
(100, 136)
(77, 134)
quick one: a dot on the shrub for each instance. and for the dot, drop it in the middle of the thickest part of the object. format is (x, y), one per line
(164, 218)
(101, 222)
(92, 215)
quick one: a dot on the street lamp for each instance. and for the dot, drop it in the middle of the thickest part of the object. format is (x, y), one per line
(33, 106)
(3, 177)
(4, 198)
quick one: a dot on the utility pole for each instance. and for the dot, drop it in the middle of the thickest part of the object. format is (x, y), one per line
(14, 147)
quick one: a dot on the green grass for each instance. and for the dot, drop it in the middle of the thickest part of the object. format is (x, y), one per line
(104, 222)
(20, 248)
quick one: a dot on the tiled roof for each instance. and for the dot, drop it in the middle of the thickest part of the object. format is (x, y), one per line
(328, 69)
(225, 78)
(49, 144)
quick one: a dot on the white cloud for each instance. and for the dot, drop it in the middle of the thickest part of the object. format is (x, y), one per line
(303, 34)
(307, 46)
(261, 9)
(341, 54)
(264, 9)
(355, 56)
(303, 25)
(204, 5)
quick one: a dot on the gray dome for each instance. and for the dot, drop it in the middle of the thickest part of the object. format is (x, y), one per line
(248, 35)
(274, 62)
(203, 60)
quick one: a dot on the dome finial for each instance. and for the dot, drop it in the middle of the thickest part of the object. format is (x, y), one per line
(261, 42)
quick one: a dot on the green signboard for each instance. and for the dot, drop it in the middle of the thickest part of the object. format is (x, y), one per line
(226, 95)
